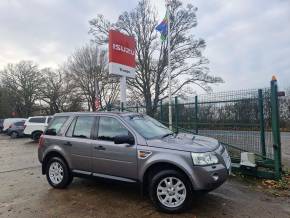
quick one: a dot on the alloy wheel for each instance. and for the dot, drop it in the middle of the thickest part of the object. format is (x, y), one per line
(171, 192)
(56, 173)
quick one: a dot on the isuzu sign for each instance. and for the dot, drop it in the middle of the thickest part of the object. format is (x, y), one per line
(121, 54)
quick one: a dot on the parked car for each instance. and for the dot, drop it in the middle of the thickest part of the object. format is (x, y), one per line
(133, 148)
(16, 129)
(34, 126)
(7, 122)
(1, 125)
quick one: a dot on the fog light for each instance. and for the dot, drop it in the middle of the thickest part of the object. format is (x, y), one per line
(215, 177)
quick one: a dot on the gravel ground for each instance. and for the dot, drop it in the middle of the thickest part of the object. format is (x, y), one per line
(24, 192)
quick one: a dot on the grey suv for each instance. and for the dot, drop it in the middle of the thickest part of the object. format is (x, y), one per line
(133, 148)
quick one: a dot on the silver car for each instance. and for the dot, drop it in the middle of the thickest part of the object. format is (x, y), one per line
(133, 148)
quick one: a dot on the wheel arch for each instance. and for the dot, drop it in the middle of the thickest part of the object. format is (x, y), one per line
(157, 167)
(50, 155)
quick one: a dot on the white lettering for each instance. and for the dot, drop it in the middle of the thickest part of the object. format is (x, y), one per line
(121, 48)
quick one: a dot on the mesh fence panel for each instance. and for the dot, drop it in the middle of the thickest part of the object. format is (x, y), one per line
(233, 117)
(284, 105)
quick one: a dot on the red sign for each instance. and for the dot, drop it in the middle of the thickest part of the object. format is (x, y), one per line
(121, 54)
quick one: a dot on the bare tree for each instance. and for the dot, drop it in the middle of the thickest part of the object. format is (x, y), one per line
(22, 82)
(189, 66)
(6, 103)
(58, 93)
(88, 69)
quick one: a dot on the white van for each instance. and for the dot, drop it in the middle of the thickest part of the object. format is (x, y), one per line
(7, 122)
(35, 126)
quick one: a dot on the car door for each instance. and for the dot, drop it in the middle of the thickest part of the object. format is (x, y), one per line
(112, 159)
(79, 139)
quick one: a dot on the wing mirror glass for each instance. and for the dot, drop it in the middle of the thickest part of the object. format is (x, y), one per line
(124, 139)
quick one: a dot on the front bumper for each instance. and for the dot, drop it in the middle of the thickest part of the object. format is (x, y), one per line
(211, 177)
(208, 178)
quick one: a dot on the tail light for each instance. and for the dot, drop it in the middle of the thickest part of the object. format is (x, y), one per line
(41, 141)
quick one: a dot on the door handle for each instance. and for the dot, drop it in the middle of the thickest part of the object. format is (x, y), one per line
(100, 148)
(68, 144)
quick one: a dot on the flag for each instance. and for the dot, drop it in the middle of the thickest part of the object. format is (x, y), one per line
(163, 27)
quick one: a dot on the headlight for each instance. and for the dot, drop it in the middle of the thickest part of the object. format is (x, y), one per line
(204, 158)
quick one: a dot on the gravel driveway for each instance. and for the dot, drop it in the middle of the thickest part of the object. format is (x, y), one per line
(24, 192)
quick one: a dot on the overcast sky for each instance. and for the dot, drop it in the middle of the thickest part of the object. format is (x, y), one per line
(247, 40)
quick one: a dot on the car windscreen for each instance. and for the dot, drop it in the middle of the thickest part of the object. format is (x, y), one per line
(148, 127)
(55, 125)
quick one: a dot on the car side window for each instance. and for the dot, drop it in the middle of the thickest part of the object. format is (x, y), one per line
(19, 123)
(56, 124)
(83, 127)
(37, 120)
(70, 130)
(49, 119)
(110, 127)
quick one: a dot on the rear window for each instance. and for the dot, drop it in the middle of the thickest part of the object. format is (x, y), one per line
(37, 120)
(19, 123)
(56, 124)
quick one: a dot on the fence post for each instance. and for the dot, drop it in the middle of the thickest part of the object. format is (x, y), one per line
(161, 112)
(137, 108)
(109, 107)
(122, 106)
(262, 124)
(196, 114)
(176, 114)
(276, 128)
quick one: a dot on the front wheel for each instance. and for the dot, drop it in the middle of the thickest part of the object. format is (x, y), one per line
(57, 173)
(170, 191)
(14, 135)
(36, 135)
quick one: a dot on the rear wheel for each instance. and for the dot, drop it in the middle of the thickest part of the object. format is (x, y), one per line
(14, 135)
(170, 191)
(36, 135)
(57, 173)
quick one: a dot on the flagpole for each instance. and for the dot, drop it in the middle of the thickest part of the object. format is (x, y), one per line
(169, 67)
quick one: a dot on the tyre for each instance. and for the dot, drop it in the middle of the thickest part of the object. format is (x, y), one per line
(14, 135)
(57, 173)
(170, 191)
(36, 135)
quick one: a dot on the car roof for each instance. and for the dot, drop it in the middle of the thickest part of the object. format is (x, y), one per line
(121, 114)
(38, 117)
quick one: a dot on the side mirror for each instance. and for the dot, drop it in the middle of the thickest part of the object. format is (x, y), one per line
(50, 132)
(122, 139)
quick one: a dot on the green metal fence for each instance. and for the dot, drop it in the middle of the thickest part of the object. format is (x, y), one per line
(244, 120)
(238, 118)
